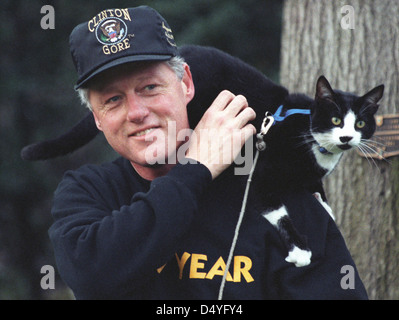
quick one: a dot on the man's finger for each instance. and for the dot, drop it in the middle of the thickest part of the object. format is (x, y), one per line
(246, 115)
(222, 100)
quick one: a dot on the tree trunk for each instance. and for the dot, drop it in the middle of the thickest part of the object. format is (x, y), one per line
(356, 50)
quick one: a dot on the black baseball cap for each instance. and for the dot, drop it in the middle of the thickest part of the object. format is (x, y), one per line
(117, 36)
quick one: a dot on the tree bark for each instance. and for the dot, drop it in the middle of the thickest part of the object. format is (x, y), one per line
(363, 193)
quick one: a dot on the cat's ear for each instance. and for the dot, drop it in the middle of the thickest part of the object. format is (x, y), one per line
(374, 95)
(371, 98)
(323, 89)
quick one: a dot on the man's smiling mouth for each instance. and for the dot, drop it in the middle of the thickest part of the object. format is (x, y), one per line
(144, 132)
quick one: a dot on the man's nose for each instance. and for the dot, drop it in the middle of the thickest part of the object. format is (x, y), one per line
(137, 110)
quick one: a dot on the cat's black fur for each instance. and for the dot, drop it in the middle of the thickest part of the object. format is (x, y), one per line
(288, 162)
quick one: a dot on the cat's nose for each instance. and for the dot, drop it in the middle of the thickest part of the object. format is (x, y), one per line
(345, 139)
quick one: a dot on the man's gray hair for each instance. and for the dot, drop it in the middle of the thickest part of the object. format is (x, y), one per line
(175, 63)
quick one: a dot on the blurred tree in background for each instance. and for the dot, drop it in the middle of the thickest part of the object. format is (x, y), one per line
(38, 102)
(363, 194)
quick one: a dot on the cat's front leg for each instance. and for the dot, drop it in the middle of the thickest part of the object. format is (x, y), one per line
(298, 251)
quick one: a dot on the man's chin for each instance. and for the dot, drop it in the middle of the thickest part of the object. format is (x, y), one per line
(154, 165)
(155, 162)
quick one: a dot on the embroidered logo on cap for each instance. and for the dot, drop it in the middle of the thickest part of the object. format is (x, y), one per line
(169, 35)
(111, 31)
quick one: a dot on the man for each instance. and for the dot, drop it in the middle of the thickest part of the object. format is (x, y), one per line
(157, 223)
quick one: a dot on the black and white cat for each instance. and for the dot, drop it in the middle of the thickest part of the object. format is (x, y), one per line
(301, 150)
(305, 147)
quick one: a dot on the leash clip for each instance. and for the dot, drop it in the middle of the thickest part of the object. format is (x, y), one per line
(266, 125)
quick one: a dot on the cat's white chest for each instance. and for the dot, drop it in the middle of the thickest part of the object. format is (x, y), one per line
(326, 161)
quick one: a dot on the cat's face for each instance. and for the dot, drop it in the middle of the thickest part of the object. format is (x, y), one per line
(341, 121)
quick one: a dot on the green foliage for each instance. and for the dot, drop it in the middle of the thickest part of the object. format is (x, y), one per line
(38, 102)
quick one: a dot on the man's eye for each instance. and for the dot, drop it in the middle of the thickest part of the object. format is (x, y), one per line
(113, 99)
(150, 87)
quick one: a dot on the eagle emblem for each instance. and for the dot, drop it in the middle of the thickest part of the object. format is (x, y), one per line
(111, 31)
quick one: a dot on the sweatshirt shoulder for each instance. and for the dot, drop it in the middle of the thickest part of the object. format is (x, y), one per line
(120, 175)
(116, 175)
(110, 170)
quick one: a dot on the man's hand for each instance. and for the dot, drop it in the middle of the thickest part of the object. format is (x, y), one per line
(222, 132)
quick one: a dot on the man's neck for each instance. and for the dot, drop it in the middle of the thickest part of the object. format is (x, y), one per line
(152, 172)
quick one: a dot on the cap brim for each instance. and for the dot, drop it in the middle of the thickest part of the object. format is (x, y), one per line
(118, 62)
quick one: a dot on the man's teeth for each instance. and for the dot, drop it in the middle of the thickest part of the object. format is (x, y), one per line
(142, 133)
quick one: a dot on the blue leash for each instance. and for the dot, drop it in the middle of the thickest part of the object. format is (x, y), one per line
(279, 118)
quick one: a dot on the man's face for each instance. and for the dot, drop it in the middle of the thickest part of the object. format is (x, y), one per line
(135, 105)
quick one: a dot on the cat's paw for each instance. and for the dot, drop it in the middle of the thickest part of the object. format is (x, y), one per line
(299, 257)
(324, 204)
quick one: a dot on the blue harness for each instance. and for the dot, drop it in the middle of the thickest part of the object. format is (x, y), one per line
(279, 118)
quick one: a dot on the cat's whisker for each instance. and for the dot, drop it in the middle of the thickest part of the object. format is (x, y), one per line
(304, 142)
(373, 142)
(367, 155)
(369, 148)
(306, 139)
(372, 145)
(328, 145)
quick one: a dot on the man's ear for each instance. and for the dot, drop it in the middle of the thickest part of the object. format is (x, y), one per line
(98, 123)
(188, 83)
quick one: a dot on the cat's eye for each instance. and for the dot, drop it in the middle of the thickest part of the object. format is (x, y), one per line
(360, 124)
(336, 121)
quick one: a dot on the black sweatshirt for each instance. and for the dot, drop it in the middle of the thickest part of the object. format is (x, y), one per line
(118, 236)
